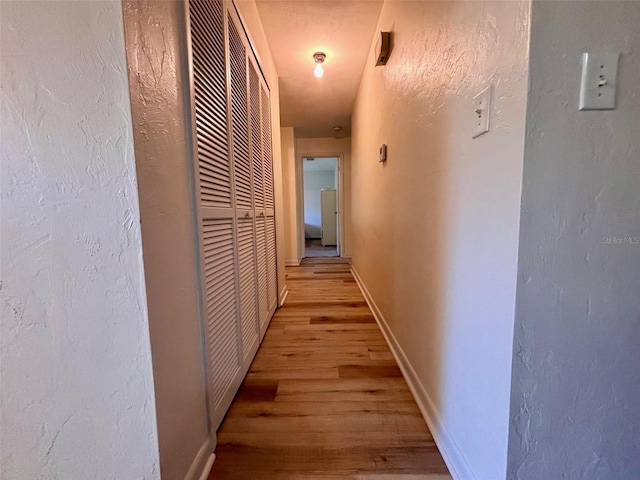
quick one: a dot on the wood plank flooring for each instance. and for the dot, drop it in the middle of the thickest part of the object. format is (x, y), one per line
(324, 398)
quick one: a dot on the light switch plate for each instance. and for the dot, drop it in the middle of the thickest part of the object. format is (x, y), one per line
(599, 77)
(481, 112)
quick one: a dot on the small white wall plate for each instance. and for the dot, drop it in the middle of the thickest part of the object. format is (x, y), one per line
(598, 83)
(481, 112)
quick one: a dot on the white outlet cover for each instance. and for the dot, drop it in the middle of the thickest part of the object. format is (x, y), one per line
(598, 84)
(481, 112)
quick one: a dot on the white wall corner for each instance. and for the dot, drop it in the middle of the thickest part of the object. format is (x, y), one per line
(451, 453)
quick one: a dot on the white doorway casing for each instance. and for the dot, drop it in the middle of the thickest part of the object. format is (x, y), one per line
(300, 223)
(319, 174)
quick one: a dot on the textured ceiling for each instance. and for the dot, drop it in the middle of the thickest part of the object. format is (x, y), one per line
(344, 30)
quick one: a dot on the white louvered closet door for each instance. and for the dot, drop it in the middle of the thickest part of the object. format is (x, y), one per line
(216, 206)
(272, 275)
(234, 196)
(242, 161)
(255, 90)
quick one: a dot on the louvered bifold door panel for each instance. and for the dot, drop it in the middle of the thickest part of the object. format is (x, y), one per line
(207, 40)
(240, 119)
(267, 150)
(270, 230)
(256, 138)
(248, 283)
(272, 272)
(215, 201)
(263, 287)
(220, 297)
(242, 162)
(258, 189)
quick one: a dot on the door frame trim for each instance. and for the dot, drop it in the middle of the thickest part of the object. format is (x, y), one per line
(300, 199)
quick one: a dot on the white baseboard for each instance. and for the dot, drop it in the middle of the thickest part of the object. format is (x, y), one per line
(202, 464)
(208, 466)
(283, 295)
(458, 466)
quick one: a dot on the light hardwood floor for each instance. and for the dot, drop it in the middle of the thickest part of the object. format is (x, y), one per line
(324, 398)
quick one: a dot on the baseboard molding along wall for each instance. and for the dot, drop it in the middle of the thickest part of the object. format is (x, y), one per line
(202, 464)
(208, 466)
(283, 295)
(458, 466)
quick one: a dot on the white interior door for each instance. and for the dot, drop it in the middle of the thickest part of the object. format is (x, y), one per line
(329, 216)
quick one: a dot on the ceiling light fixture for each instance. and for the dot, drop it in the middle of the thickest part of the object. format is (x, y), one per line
(319, 57)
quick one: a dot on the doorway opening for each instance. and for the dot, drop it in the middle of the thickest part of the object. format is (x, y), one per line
(320, 185)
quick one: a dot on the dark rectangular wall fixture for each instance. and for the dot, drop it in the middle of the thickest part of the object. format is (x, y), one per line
(383, 48)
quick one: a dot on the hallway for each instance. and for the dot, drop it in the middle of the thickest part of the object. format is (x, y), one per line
(324, 397)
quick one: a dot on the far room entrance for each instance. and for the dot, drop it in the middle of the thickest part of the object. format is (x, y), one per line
(321, 200)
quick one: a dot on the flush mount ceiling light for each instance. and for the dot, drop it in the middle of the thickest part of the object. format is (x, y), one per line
(319, 57)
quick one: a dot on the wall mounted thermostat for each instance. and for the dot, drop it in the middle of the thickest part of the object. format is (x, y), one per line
(383, 153)
(383, 48)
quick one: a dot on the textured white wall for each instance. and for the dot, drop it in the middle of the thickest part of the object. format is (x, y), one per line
(576, 384)
(77, 391)
(156, 55)
(436, 228)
